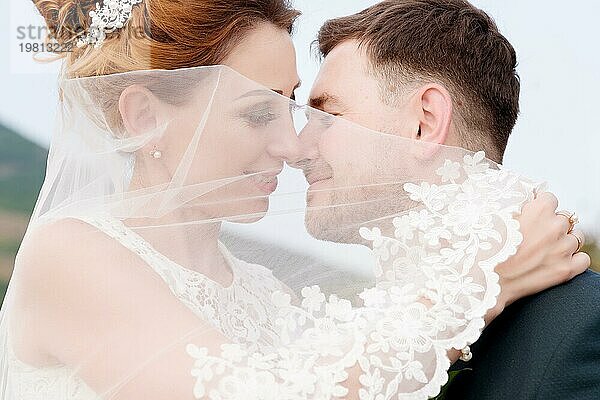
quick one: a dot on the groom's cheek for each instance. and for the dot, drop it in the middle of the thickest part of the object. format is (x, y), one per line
(331, 147)
(339, 142)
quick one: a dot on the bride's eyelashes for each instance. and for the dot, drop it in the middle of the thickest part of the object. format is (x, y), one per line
(258, 116)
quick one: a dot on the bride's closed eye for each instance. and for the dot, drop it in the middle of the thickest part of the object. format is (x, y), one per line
(259, 116)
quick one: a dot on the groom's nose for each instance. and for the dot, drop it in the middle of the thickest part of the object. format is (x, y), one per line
(309, 143)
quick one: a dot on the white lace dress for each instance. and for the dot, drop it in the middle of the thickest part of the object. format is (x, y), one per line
(250, 291)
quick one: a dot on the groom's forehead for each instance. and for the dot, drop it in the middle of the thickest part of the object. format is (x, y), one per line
(343, 72)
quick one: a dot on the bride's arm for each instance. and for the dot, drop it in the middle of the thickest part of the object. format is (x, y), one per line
(547, 257)
(105, 315)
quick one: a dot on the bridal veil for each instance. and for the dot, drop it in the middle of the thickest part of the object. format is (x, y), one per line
(200, 236)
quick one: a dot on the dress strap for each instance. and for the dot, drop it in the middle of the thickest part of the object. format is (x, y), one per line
(174, 275)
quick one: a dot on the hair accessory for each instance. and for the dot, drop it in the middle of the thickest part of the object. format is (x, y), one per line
(113, 15)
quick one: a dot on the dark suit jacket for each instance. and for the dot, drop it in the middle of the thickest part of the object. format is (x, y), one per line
(545, 347)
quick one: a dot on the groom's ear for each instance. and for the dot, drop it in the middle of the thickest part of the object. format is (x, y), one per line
(435, 113)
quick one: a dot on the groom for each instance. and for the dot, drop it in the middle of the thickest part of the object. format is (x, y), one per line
(439, 71)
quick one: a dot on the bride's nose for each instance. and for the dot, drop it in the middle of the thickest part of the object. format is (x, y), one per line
(286, 146)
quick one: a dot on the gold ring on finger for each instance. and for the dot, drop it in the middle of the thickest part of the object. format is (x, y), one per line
(579, 242)
(572, 217)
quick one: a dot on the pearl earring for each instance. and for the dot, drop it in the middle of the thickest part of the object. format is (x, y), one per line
(156, 154)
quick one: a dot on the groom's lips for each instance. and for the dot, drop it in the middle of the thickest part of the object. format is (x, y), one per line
(312, 179)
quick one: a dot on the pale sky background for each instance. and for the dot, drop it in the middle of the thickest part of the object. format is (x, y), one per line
(557, 138)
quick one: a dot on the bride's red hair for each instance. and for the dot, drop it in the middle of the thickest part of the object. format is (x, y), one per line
(161, 34)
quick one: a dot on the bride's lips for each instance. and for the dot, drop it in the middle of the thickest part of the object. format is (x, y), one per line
(266, 183)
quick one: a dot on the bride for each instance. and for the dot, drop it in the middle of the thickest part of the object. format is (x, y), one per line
(176, 124)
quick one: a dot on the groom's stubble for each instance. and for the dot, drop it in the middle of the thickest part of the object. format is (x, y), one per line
(346, 193)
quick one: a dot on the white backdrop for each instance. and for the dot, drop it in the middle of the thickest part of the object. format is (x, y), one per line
(556, 139)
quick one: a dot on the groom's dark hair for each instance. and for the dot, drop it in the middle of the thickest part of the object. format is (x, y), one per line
(447, 41)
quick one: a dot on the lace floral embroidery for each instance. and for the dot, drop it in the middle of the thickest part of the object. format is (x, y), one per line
(435, 282)
(227, 309)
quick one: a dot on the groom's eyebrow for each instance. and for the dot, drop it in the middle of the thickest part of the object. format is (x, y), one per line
(319, 102)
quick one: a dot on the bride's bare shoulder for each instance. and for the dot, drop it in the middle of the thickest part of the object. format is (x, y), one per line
(63, 275)
(69, 259)
(59, 244)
